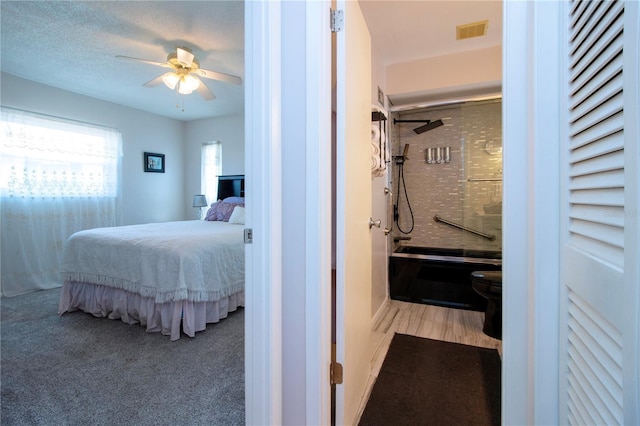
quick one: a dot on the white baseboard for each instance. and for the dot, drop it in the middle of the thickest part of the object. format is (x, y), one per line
(380, 315)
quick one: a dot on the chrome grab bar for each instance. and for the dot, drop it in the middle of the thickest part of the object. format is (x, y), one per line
(484, 180)
(489, 237)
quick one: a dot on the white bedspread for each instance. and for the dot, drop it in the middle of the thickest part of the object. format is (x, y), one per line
(196, 260)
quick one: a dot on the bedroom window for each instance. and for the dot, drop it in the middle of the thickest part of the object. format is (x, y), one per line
(56, 177)
(211, 168)
(45, 158)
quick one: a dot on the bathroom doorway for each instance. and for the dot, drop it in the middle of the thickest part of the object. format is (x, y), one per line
(447, 204)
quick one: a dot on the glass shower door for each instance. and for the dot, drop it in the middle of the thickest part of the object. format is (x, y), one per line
(482, 177)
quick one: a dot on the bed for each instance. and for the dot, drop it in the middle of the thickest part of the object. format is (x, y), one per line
(170, 277)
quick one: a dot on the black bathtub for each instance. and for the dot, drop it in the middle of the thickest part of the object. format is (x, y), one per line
(438, 276)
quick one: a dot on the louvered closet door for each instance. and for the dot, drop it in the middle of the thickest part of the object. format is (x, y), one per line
(600, 209)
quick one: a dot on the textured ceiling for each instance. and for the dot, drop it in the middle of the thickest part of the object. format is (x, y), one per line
(73, 46)
(403, 31)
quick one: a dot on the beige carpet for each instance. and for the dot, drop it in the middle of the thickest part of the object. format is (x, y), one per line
(80, 370)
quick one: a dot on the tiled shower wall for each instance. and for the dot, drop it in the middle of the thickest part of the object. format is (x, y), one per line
(473, 131)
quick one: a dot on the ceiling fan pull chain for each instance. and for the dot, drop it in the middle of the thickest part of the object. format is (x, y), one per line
(177, 96)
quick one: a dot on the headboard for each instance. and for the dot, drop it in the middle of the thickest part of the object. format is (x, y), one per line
(230, 186)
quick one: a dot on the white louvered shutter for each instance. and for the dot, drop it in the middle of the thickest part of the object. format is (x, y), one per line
(600, 225)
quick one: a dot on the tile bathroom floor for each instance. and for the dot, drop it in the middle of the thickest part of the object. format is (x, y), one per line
(432, 322)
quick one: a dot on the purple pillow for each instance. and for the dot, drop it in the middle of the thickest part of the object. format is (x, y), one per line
(221, 211)
(211, 213)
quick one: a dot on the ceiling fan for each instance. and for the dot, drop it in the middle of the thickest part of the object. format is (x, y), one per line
(185, 74)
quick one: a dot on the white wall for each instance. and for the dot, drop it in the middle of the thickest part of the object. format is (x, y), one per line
(439, 78)
(147, 197)
(228, 130)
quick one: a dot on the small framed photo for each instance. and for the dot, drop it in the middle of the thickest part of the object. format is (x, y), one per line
(153, 162)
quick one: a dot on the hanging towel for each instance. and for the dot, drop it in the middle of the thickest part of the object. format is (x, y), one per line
(375, 133)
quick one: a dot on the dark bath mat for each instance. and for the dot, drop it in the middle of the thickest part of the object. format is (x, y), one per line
(430, 382)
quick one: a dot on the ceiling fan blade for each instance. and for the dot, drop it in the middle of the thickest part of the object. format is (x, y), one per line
(129, 58)
(227, 78)
(204, 91)
(156, 81)
(185, 57)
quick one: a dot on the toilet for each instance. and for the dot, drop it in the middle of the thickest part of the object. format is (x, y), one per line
(488, 284)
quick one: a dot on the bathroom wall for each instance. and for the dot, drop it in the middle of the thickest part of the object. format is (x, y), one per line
(448, 77)
(473, 131)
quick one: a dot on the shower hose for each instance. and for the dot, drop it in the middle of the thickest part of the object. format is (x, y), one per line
(406, 196)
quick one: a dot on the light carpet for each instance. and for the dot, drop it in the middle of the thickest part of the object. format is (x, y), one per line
(76, 369)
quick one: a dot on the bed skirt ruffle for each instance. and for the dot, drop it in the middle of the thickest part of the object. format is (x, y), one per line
(132, 308)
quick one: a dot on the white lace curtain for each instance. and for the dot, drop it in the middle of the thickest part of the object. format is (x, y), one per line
(56, 177)
(211, 168)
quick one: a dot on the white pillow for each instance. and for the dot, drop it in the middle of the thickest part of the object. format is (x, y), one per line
(237, 216)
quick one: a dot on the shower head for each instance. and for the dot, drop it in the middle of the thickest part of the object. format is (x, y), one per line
(429, 126)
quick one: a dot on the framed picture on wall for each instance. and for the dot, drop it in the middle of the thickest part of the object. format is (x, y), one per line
(153, 162)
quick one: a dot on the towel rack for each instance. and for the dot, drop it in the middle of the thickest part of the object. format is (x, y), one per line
(489, 237)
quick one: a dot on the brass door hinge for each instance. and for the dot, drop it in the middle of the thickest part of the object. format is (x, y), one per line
(335, 368)
(336, 373)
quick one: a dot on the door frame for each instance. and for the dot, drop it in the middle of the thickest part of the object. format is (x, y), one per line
(266, 381)
(523, 329)
(532, 118)
(263, 272)
(632, 225)
(318, 216)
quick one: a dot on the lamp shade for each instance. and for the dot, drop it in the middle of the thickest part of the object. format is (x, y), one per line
(170, 80)
(199, 200)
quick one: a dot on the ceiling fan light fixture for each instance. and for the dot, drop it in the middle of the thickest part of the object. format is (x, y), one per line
(170, 80)
(188, 84)
(185, 74)
(183, 90)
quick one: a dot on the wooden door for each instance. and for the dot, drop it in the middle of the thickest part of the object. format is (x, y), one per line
(353, 210)
(599, 229)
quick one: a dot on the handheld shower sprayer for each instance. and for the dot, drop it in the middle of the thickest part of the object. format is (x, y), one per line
(400, 159)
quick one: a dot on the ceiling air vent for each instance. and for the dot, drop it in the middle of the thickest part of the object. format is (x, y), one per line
(474, 29)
